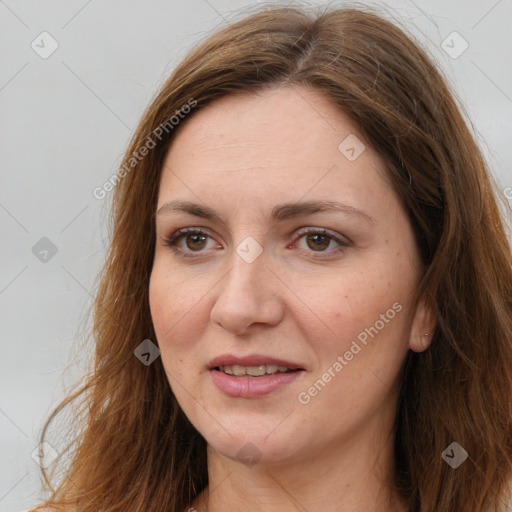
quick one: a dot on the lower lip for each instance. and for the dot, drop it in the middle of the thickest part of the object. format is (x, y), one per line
(252, 387)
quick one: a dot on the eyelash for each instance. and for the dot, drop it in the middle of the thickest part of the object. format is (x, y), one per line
(172, 240)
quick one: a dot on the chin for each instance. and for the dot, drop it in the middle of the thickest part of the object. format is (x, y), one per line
(254, 444)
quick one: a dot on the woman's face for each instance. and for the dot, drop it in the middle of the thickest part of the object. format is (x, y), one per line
(305, 265)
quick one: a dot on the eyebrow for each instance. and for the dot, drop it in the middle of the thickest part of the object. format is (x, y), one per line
(279, 213)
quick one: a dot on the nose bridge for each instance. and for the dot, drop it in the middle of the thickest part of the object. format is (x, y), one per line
(248, 272)
(246, 294)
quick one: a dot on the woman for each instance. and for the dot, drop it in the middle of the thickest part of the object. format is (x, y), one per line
(307, 299)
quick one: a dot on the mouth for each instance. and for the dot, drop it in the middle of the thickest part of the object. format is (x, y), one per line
(254, 371)
(255, 365)
(252, 376)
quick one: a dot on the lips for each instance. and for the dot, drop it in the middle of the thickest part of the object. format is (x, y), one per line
(252, 376)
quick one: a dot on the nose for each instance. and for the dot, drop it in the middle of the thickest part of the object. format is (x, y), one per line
(249, 294)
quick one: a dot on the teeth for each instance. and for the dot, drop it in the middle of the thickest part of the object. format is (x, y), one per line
(253, 371)
(238, 370)
(256, 371)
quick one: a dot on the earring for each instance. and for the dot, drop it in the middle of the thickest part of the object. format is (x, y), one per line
(425, 341)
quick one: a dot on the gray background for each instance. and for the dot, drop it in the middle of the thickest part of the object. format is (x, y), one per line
(65, 123)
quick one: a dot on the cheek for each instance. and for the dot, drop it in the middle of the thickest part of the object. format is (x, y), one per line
(359, 359)
(171, 298)
(368, 304)
(176, 313)
(160, 301)
(166, 309)
(348, 298)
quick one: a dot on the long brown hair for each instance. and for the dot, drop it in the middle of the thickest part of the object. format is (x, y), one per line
(136, 451)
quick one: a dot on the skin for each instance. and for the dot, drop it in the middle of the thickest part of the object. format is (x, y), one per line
(242, 155)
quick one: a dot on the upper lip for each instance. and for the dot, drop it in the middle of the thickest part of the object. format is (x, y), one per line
(251, 360)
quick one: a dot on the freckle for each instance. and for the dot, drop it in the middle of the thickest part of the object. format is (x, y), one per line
(387, 241)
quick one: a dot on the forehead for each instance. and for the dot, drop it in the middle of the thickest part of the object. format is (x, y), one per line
(285, 140)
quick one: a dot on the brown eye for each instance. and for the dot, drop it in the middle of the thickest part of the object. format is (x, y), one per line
(195, 242)
(321, 242)
(187, 241)
(318, 241)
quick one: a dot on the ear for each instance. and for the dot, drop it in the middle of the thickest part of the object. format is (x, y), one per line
(423, 325)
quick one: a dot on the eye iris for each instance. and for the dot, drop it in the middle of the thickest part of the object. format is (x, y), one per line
(316, 241)
(197, 237)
